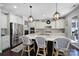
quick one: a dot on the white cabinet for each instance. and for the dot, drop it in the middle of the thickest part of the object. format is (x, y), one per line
(60, 24)
(0, 34)
(13, 18)
(5, 42)
(16, 19)
(40, 24)
(53, 24)
(3, 20)
(19, 20)
(37, 24)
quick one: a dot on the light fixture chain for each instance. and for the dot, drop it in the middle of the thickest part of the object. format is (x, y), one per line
(30, 10)
(56, 7)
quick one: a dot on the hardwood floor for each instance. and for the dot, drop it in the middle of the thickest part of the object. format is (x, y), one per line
(11, 53)
(73, 52)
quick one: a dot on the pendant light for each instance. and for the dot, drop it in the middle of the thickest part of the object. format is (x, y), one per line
(30, 18)
(56, 15)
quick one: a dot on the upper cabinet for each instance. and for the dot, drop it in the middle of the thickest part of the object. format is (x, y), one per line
(16, 19)
(4, 20)
(37, 24)
(60, 24)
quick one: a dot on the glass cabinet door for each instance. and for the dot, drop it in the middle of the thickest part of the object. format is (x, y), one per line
(75, 29)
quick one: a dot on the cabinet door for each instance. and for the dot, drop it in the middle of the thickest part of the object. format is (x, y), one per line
(60, 24)
(53, 24)
(41, 24)
(4, 21)
(5, 42)
(19, 20)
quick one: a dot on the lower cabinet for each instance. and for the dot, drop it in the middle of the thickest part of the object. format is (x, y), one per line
(5, 42)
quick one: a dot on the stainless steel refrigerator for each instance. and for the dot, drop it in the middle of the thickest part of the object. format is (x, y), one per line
(16, 30)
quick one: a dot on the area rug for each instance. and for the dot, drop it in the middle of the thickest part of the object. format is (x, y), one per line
(18, 48)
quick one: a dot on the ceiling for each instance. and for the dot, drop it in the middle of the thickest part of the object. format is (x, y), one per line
(39, 10)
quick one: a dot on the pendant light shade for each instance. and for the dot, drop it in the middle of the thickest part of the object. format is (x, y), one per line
(56, 15)
(30, 18)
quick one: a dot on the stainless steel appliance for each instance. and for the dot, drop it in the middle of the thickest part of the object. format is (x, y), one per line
(16, 30)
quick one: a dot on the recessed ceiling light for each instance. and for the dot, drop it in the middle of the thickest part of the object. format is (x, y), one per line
(14, 6)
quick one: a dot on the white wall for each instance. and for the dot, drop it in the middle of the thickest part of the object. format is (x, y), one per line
(69, 21)
(16, 19)
(0, 34)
